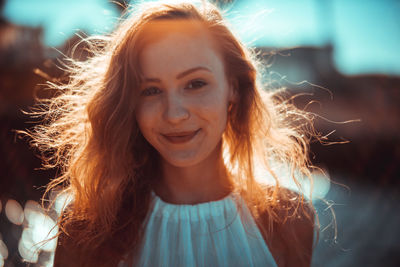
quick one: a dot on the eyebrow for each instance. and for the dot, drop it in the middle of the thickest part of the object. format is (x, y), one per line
(182, 74)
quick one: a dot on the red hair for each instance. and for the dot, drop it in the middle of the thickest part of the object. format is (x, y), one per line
(108, 166)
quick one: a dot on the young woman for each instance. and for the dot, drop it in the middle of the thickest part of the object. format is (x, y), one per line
(157, 136)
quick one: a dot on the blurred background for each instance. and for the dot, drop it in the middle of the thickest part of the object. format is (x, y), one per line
(342, 55)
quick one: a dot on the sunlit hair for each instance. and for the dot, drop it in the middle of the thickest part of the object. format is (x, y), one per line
(90, 134)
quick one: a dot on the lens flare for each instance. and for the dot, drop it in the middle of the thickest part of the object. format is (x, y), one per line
(38, 233)
(14, 212)
(3, 250)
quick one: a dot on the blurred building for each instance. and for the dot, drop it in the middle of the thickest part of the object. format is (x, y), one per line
(371, 158)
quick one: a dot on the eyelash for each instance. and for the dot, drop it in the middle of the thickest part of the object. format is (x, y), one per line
(149, 91)
(152, 90)
(200, 84)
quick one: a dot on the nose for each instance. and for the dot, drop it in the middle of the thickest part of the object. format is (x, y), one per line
(176, 109)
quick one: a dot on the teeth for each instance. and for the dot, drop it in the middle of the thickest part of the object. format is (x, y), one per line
(180, 137)
(180, 134)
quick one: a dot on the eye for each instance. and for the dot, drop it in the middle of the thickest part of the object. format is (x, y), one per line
(196, 84)
(149, 91)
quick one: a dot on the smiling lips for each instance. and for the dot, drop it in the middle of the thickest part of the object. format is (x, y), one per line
(180, 137)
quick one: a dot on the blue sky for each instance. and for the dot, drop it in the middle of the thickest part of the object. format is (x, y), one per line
(365, 33)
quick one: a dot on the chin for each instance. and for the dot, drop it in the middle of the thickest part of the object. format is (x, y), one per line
(182, 161)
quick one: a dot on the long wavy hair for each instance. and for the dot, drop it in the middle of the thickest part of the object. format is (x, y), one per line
(90, 134)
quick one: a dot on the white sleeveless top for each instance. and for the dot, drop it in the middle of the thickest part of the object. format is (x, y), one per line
(216, 233)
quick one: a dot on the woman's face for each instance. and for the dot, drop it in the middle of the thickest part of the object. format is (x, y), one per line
(183, 101)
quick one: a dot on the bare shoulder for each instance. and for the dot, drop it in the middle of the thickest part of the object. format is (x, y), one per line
(73, 250)
(67, 252)
(291, 237)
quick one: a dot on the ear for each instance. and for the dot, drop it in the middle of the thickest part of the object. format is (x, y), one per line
(233, 91)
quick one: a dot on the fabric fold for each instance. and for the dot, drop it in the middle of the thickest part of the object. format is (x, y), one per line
(215, 233)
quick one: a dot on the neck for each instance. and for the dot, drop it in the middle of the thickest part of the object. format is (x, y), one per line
(203, 182)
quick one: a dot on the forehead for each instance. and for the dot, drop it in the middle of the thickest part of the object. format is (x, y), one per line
(177, 45)
(158, 29)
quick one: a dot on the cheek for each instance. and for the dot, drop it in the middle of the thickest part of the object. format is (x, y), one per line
(145, 117)
(215, 109)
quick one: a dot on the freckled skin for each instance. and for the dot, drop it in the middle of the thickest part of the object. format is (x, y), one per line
(176, 106)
